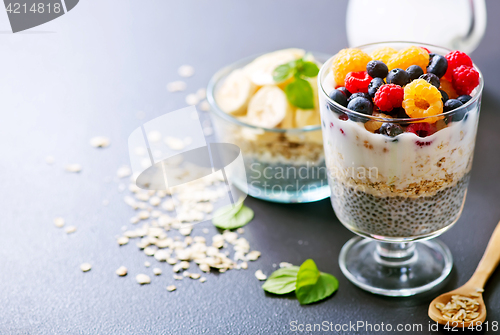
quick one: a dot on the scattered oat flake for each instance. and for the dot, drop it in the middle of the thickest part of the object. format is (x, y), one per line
(244, 265)
(59, 222)
(285, 265)
(176, 86)
(207, 131)
(253, 255)
(185, 71)
(185, 231)
(99, 142)
(121, 271)
(177, 277)
(70, 229)
(260, 275)
(171, 288)
(85, 267)
(157, 271)
(123, 171)
(73, 168)
(194, 275)
(123, 240)
(149, 251)
(205, 230)
(154, 136)
(174, 143)
(154, 201)
(143, 279)
(49, 160)
(203, 279)
(192, 99)
(240, 231)
(201, 93)
(204, 106)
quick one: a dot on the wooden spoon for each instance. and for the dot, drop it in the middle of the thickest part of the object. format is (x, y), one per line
(474, 286)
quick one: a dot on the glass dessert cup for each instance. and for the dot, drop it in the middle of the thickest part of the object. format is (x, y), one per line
(282, 165)
(396, 193)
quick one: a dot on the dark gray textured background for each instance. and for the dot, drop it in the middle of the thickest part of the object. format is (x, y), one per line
(88, 73)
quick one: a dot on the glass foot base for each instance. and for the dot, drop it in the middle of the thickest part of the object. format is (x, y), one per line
(395, 269)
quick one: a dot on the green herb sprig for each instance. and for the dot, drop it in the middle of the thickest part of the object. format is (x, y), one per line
(299, 91)
(310, 285)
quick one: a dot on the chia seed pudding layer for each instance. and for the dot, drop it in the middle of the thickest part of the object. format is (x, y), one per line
(397, 216)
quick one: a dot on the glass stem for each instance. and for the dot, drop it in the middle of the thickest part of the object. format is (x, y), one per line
(395, 254)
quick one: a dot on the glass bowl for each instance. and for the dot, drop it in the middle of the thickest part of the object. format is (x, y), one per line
(393, 191)
(282, 165)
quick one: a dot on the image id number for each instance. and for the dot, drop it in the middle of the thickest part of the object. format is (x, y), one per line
(36, 8)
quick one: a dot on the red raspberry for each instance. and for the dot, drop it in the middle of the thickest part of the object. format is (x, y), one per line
(357, 82)
(428, 51)
(465, 79)
(389, 96)
(421, 129)
(455, 59)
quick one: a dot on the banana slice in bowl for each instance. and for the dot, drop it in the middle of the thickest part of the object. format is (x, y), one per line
(268, 107)
(260, 70)
(235, 93)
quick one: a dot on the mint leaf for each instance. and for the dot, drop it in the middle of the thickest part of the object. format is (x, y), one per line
(282, 281)
(283, 72)
(300, 94)
(308, 69)
(232, 216)
(312, 285)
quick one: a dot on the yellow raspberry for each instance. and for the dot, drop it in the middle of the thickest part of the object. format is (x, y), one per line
(404, 58)
(383, 54)
(448, 88)
(348, 60)
(422, 99)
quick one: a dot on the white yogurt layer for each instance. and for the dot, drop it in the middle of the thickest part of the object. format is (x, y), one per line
(406, 165)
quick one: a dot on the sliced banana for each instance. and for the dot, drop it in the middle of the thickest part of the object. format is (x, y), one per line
(260, 70)
(307, 117)
(289, 120)
(268, 107)
(235, 93)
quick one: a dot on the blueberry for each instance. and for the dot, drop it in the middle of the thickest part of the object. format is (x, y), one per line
(377, 69)
(444, 96)
(359, 94)
(374, 86)
(414, 72)
(390, 129)
(338, 97)
(452, 104)
(432, 79)
(437, 65)
(400, 113)
(398, 76)
(360, 105)
(345, 91)
(464, 98)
